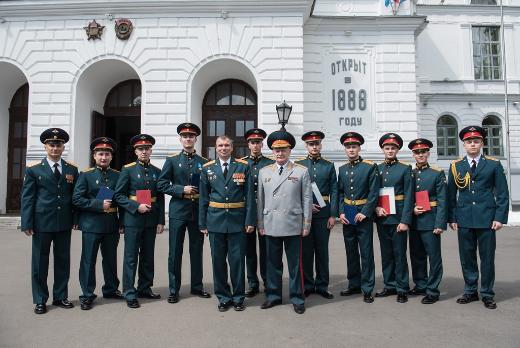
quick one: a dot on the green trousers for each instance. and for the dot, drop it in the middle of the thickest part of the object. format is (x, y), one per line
(425, 247)
(90, 245)
(176, 246)
(139, 250)
(393, 257)
(274, 251)
(41, 247)
(359, 244)
(228, 248)
(253, 259)
(315, 252)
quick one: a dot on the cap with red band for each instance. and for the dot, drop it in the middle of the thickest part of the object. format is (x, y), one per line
(472, 132)
(142, 140)
(103, 143)
(350, 138)
(313, 136)
(391, 138)
(188, 128)
(281, 139)
(421, 143)
(255, 134)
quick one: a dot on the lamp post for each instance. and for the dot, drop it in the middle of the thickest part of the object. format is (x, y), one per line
(284, 111)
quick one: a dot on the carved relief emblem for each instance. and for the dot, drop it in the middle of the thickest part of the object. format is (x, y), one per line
(94, 30)
(123, 28)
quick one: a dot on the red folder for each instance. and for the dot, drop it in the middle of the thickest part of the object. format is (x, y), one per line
(384, 202)
(144, 197)
(422, 199)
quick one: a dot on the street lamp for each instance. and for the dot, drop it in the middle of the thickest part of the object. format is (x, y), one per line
(284, 111)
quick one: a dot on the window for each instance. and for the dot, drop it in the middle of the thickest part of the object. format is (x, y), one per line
(483, 2)
(493, 142)
(486, 53)
(447, 144)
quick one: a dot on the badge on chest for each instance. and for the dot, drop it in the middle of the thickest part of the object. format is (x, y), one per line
(239, 178)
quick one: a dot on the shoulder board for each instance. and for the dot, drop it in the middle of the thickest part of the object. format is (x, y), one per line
(435, 168)
(300, 165)
(174, 154)
(326, 160)
(129, 165)
(404, 163)
(272, 166)
(72, 164)
(88, 169)
(32, 164)
(368, 162)
(244, 158)
(209, 163)
(114, 170)
(491, 158)
(204, 158)
(241, 161)
(457, 160)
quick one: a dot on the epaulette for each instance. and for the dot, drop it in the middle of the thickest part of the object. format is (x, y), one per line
(404, 163)
(114, 170)
(72, 164)
(129, 165)
(435, 168)
(173, 155)
(491, 158)
(300, 165)
(300, 159)
(244, 158)
(33, 164)
(457, 160)
(209, 163)
(368, 162)
(88, 169)
(203, 157)
(241, 161)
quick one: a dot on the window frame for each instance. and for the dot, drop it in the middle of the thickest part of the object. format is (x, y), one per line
(445, 147)
(499, 125)
(490, 56)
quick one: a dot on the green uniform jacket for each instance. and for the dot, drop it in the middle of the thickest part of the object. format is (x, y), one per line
(238, 187)
(92, 217)
(136, 176)
(399, 176)
(255, 164)
(46, 201)
(484, 199)
(176, 174)
(433, 180)
(357, 181)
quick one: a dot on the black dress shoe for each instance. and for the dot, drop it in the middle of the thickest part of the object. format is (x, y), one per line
(350, 291)
(201, 293)
(173, 298)
(149, 295)
(40, 308)
(270, 304)
(223, 307)
(251, 292)
(308, 292)
(326, 294)
(86, 304)
(133, 303)
(402, 297)
(467, 298)
(63, 303)
(489, 302)
(117, 295)
(386, 292)
(239, 307)
(416, 292)
(429, 299)
(300, 309)
(368, 298)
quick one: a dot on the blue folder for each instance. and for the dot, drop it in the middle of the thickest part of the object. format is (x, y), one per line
(105, 193)
(350, 213)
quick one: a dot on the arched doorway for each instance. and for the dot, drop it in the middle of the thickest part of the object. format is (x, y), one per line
(229, 108)
(121, 119)
(17, 146)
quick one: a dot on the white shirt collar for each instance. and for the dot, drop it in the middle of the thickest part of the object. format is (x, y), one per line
(51, 163)
(470, 159)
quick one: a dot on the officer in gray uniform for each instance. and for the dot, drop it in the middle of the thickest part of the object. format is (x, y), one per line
(284, 207)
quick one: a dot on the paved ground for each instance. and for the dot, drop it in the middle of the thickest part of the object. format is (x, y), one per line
(195, 322)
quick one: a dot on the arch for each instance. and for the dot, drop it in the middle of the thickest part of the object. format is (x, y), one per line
(447, 130)
(494, 142)
(93, 83)
(13, 77)
(210, 71)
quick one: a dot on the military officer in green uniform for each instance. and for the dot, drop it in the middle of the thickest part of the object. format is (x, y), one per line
(392, 229)
(226, 212)
(315, 247)
(99, 222)
(256, 160)
(428, 224)
(47, 215)
(180, 179)
(358, 186)
(142, 207)
(478, 201)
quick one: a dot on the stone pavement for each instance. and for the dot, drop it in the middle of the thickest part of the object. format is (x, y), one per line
(195, 322)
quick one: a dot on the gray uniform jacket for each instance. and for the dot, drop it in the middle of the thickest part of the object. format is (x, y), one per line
(284, 203)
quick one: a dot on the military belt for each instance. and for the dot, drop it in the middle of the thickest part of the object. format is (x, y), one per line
(227, 205)
(134, 198)
(355, 201)
(326, 198)
(111, 210)
(433, 203)
(193, 196)
(399, 197)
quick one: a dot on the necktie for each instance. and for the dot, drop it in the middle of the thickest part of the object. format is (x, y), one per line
(473, 166)
(57, 173)
(280, 170)
(225, 164)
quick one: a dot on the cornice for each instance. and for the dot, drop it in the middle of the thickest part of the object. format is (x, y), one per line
(366, 23)
(466, 97)
(466, 10)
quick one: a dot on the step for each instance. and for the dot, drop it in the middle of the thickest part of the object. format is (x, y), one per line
(9, 221)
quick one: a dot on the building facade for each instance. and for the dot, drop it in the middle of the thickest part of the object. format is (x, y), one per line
(342, 65)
